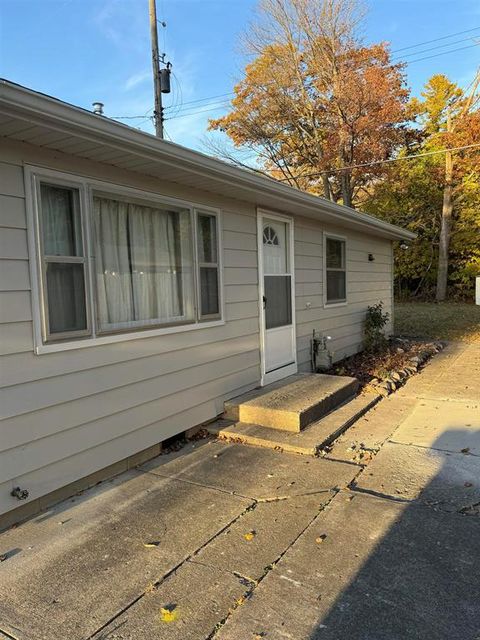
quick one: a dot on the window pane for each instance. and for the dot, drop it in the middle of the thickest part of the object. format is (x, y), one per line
(66, 297)
(207, 238)
(209, 291)
(61, 226)
(278, 305)
(335, 253)
(143, 263)
(336, 290)
(275, 249)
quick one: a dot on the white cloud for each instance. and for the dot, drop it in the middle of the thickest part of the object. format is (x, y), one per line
(136, 79)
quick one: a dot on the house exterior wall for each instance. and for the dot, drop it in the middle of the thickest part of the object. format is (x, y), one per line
(367, 283)
(70, 413)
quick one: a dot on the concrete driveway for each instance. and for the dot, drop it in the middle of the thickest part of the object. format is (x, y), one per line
(378, 540)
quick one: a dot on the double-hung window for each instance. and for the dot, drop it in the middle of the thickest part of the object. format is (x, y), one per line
(208, 265)
(335, 270)
(113, 261)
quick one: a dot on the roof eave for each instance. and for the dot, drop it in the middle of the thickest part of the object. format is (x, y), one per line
(65, 117)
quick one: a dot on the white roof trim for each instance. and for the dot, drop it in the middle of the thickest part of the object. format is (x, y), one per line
(36, 108)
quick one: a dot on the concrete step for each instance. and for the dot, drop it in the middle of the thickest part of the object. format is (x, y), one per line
(293, 403)
(309, 441)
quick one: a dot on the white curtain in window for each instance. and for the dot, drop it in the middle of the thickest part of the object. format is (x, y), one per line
(138, 264)
(155, 260)
(114, 281)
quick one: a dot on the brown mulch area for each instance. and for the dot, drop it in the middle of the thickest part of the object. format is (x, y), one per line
(366, 366)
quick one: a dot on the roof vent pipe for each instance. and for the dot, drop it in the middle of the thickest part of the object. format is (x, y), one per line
(97, 108)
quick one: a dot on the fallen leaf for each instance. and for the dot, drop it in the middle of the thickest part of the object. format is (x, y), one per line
(169, 613)
(152, 543)
(321, 538)
(250, 535)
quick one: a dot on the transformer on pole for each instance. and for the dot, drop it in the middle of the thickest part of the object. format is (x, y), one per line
(161, 76)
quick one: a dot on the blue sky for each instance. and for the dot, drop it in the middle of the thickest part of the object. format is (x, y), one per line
(86, 50)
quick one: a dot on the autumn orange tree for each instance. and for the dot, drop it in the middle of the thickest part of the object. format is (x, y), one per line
(315, 101)
(449, 118)
(436, 193)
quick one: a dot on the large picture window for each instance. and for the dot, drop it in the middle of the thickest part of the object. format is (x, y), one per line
(148, 264)
(335, 270)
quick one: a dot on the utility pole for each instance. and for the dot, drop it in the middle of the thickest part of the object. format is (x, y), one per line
(448, 192)
(158, 108)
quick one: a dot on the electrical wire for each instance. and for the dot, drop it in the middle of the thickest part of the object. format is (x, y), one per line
(221, 95)
(377, 162)
(216, 106)
(413, 46)
(439, 46)
(443, 53)
(450, 35)
(194, 113)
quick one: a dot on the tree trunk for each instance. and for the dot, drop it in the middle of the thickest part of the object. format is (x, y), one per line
(446, 222)
(346, 189)
(445, 230)
(326, 187)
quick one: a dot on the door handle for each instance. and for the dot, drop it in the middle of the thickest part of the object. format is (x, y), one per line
(264, 302)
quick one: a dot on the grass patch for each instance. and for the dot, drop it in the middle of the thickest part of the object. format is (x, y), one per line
(458, 321)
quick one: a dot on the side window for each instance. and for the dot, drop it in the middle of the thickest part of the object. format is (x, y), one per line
(63, 262)
(208, 266)
(336, 274)
(151, 263)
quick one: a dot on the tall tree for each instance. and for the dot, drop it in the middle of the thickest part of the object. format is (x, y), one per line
(446, 112)
(418, 192)
(315, 101)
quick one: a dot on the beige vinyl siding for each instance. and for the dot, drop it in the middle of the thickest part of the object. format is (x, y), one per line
(367, 283)
(69, 413)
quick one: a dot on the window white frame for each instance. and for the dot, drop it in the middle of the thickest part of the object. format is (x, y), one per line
(87, 186)
(198, 211)
(335, 303)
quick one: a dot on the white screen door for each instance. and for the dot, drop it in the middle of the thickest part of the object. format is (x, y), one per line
(277, 298)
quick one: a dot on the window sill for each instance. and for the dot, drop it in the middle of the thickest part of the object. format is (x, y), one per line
(330, 305)
(122, 337)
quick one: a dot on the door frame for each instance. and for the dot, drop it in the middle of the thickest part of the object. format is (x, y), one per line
(289, 369)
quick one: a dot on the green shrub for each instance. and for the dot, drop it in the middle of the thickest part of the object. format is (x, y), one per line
(375, 321)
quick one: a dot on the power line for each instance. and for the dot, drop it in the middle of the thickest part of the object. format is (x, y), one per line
(181, 109)
(439, 46)
(215, 106)
(377, 162)
(451, 35)
(221, 95)
(442, 53)
(128, 117)
(194, 113)
(211, 106)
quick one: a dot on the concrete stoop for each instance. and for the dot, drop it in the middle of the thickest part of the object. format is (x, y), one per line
(293, 403)
(309, 441)
(301, 414)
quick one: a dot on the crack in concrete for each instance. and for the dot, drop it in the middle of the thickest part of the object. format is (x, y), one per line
(250, 582)
(161, 580)
(423, 446)
(200, 484)
(378, 494)
(270, 567)
(8, 635)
